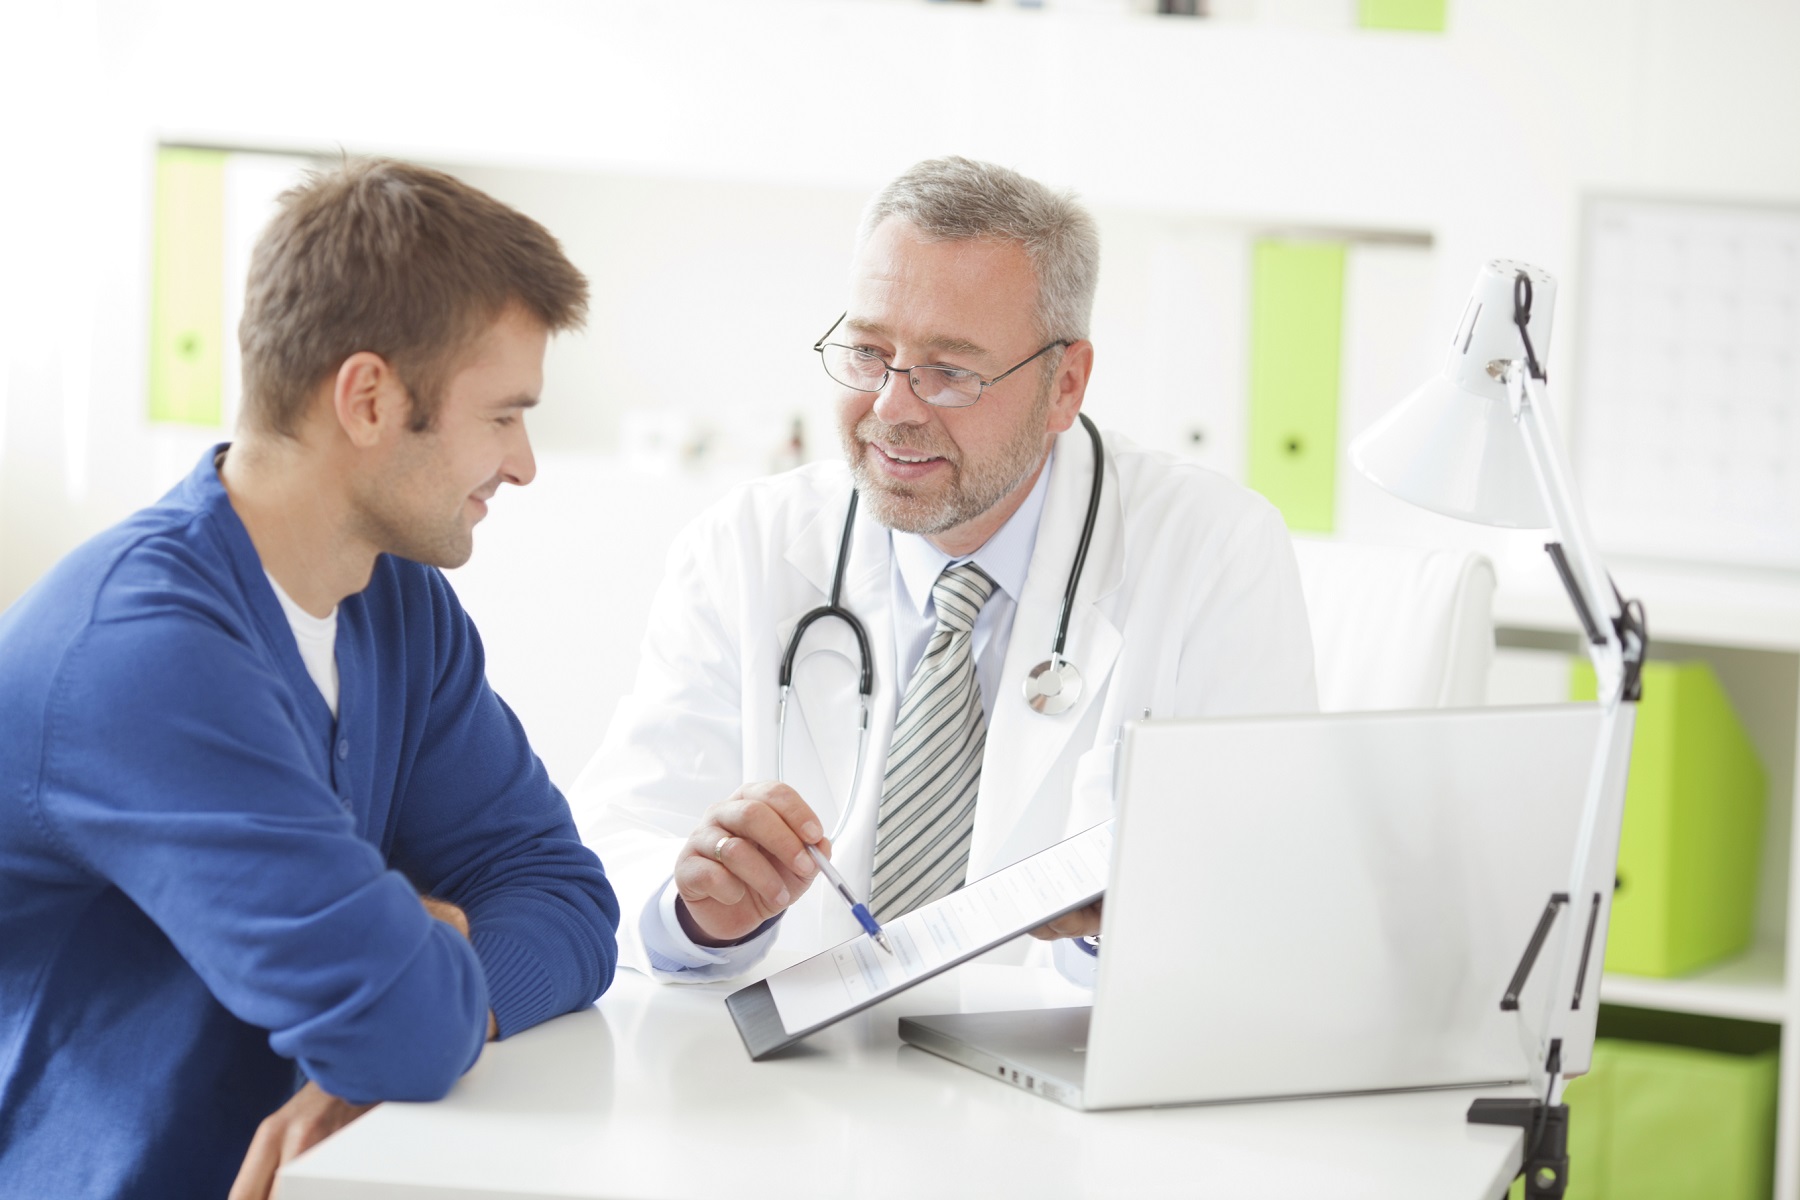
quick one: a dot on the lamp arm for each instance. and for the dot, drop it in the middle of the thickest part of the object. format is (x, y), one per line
(1616, 646)
(1590, 586)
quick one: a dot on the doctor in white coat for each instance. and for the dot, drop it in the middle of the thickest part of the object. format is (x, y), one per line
(981, 282)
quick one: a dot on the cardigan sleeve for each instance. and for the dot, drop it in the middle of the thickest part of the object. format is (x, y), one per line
(482, 826)
(173, 769)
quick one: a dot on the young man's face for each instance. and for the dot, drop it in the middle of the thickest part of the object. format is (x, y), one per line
(434, 486)
(968, 304)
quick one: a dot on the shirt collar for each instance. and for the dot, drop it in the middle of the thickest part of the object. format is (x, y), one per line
(1005, 558)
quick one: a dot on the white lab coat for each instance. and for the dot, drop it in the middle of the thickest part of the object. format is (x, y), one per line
(1190, 604)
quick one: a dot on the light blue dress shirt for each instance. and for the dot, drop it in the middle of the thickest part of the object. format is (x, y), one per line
(1005, 558)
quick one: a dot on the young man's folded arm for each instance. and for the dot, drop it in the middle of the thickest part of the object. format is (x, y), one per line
(482, 826)
(173, 769)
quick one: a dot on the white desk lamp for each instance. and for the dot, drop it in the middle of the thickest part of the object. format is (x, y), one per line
(1478, 441)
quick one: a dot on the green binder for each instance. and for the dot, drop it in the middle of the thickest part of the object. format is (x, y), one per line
(1296, 326)
(1416, 16)
(187, 306)
(1692, 835)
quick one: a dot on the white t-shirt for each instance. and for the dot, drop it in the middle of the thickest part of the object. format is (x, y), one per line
(317, 639)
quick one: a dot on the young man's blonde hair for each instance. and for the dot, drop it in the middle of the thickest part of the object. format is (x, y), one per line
(396, 259)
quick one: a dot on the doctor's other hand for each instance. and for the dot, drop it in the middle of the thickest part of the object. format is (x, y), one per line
(746, 862)
(1083, 922)
(313, 1115)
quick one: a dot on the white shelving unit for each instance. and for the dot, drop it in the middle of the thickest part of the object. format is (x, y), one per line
(1749, 988)
(1747, 625)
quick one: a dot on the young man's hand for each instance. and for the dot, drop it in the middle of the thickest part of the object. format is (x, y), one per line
(303, 1122)
(448, 913)
(315, 1114)
(458, 920)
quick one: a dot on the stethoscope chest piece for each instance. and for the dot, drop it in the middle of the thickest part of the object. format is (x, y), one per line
(1053, 686)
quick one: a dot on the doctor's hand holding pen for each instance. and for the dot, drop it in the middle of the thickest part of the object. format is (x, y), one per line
(748, 861)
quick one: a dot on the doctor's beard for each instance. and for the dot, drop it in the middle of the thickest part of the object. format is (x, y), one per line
(971, 487)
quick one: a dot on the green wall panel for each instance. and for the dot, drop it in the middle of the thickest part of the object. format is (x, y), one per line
(187, 304)
(1296, 325)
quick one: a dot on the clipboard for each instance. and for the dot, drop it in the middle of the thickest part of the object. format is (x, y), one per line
(775, 1013)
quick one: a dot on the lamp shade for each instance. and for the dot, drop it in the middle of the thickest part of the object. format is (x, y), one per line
(1453, 446)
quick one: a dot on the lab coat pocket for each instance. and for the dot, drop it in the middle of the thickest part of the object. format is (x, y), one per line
(1091, 790)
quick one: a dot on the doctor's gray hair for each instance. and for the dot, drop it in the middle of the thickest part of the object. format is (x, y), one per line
(953, 199)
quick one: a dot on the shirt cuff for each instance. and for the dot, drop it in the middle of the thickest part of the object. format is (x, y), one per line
(1078, 964)
(672, 952)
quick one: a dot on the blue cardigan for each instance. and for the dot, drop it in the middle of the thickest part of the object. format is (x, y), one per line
(205, 879)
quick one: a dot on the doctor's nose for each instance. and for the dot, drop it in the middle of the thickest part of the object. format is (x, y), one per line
(898, 404)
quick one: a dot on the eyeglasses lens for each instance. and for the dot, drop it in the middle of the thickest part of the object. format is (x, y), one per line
(854, 368)
(946, 388)
(865, 372)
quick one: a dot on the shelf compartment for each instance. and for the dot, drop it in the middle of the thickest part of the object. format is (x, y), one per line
(1750, 987)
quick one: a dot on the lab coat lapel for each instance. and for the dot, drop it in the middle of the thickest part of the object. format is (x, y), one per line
(822, 718)
(1022, 744)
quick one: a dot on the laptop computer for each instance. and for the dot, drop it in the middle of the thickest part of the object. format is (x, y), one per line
(1313, 905)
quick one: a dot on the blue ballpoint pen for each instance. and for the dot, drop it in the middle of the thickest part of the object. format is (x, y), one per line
(858, 909)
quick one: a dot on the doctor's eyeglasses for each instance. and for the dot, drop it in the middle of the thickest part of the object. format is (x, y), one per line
(863, 370)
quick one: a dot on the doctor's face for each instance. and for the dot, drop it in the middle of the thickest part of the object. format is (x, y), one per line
(433, 486)
(952, 474)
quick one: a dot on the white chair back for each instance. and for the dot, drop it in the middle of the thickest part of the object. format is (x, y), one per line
(1395, 627)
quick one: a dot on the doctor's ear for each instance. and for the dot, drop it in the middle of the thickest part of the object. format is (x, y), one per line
(1070, 385)
(368, 399)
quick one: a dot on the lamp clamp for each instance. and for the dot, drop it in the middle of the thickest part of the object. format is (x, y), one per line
(1544, 1161)
(1545, 1164)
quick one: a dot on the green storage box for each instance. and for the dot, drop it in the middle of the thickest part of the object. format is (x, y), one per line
(1690, 1114)
(1692, 837)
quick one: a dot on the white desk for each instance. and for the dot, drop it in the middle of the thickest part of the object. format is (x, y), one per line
(651, 1096)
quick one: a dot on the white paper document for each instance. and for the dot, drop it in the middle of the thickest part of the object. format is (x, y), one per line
(967, 922)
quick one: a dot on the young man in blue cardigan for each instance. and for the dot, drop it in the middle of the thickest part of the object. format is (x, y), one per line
(270, 847)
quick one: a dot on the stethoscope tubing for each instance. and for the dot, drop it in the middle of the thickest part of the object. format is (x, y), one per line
(1087, 539)
(835, 608)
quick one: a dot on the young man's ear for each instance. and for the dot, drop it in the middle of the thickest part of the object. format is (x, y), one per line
(368, 399)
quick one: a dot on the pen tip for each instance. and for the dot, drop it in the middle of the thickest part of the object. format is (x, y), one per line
(881, 940)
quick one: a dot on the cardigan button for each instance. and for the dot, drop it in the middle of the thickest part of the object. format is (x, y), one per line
(343, 749)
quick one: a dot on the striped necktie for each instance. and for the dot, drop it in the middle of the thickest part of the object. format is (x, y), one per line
(927, 813)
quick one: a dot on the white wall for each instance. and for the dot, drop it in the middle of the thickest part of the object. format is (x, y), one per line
(707, 297)
(1484, 138)
(705, 161)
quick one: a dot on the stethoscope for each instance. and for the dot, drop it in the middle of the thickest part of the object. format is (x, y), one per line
(1051, 687)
